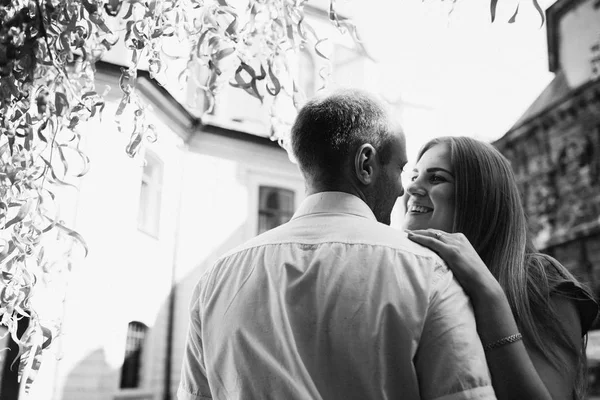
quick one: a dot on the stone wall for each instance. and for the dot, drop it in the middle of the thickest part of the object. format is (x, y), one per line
(556, 159)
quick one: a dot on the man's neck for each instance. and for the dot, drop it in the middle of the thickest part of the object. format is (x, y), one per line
(345, 187)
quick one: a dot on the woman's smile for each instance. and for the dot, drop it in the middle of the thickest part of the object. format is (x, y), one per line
(419, 209)
(431, 190)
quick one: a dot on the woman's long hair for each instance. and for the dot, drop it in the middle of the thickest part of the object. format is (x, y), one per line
(489, 212)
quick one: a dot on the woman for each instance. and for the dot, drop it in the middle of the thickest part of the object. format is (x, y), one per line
(465, 205)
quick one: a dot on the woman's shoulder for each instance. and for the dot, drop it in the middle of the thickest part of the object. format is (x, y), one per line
(564, 284)
(582, 298)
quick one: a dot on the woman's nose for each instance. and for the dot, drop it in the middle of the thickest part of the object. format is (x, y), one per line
(414, 188)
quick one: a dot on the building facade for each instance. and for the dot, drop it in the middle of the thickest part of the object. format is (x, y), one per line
(155, 223)
(554, 149)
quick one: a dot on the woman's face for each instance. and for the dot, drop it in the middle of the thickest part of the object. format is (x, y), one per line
(431, 190)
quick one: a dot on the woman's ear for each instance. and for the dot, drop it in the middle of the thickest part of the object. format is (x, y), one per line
(365, 164)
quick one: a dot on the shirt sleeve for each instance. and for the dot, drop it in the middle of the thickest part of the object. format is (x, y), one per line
(564, 284)
(587, 307)
(194, 382)
(450, 361)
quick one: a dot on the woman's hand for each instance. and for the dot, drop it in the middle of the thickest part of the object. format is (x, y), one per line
(456, 250)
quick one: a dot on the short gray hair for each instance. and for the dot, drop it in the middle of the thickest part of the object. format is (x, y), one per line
(328, 129)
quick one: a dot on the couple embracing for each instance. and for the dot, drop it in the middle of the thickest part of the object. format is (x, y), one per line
(335, 304)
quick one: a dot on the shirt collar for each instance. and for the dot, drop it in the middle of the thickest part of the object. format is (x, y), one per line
(334, 203)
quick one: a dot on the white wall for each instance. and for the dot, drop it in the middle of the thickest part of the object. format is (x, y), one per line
(579, 30)
(220, 210)
(209, 205)
(127, 274)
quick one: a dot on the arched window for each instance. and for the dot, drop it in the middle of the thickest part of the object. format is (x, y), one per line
(132, 364)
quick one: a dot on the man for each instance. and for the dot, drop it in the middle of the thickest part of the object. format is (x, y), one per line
(335, 304)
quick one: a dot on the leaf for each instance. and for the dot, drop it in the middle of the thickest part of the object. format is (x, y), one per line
(241, 82)
(112, 7)
(129, 13)
(514, 16)
(318, 51)
(352, 29)
(128, 29)
(233, 26)
(47, 335)
(122, 105)
(73, 123)
(156, 33)
(493, 4)
(54, 176)
(23, 211)
(62, 157)
(61, 103)
(74, 235)
(7, 252)
(99, 21)
(250, 86)
(28, 138)
(224, 53)
(276, 84)
(304, 29)
(540, 11)
(204, 34)
(86, 165)
(214, 42)
(30, 352)
(134, 144)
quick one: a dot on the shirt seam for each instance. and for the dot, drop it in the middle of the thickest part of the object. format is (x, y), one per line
(475, 391)
(300, 216)
(194, 393)
(395, 249)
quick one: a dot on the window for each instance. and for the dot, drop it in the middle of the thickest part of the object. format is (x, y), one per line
(275, 207)
(132, 365)
(150, 193)
(9, 354)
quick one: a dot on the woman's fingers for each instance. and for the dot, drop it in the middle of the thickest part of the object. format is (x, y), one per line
(425, 238)
(424, 232)
(444, 244)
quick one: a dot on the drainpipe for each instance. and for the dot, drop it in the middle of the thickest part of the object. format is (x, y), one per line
(172, 293)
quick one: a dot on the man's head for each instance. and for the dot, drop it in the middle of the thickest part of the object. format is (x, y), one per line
(346, 141)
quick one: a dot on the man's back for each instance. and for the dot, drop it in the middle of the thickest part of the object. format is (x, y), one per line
(332, 305)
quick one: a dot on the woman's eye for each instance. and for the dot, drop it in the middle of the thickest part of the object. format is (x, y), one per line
(436, 178)
(413, 178)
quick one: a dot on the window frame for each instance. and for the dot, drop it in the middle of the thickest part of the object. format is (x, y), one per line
(154, 184)
(141, 345)
(261, 176)
(278, 212)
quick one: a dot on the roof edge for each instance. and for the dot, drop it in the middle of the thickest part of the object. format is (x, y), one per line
(550, 108)
(194, 125)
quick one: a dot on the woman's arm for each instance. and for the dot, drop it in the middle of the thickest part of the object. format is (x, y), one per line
(517, 372)
(560, 385)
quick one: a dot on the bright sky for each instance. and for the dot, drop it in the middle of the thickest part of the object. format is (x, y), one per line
(454, 73)
(457, 74)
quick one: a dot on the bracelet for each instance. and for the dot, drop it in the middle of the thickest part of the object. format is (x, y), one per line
(501, 342)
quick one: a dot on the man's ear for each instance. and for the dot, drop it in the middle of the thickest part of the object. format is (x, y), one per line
(365, 164)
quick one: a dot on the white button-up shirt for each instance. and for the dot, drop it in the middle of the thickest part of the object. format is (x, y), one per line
(332, 305)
